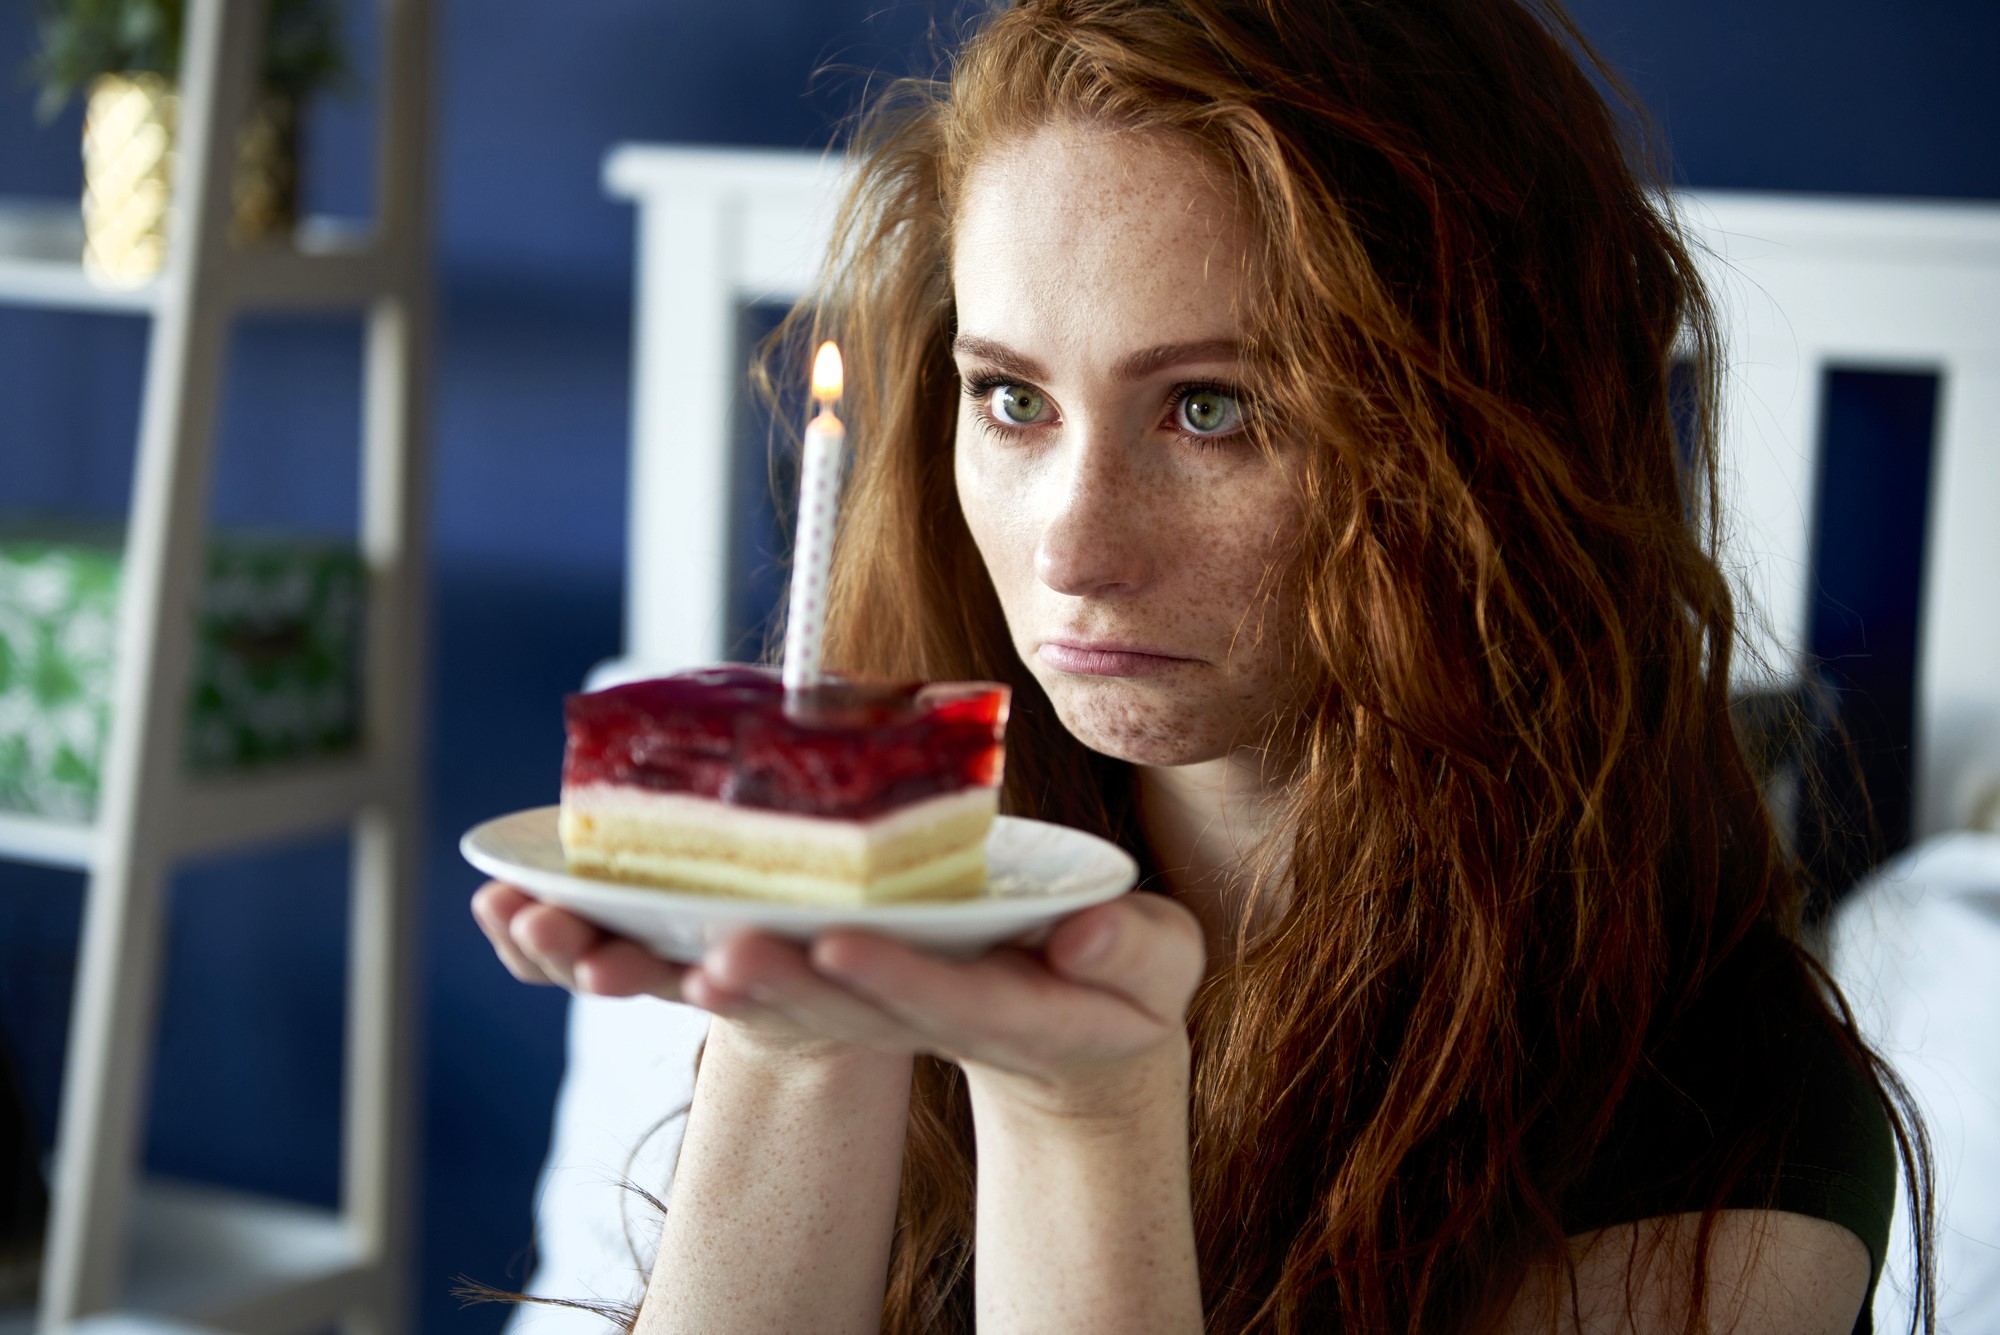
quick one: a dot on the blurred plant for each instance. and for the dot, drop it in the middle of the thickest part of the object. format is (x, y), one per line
(82, 39)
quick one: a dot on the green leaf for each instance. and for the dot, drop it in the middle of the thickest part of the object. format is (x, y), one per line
(82, 39)
(54, 681)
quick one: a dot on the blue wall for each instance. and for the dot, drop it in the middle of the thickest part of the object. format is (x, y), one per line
(529, 467)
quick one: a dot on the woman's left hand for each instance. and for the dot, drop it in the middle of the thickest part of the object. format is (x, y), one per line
(1067, 1026)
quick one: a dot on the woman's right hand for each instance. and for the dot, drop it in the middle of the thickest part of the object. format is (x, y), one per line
(540, 943)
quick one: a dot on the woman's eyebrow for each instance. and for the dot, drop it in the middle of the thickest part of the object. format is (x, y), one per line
(1135, 366)
(1002, 356)
(1151, 361)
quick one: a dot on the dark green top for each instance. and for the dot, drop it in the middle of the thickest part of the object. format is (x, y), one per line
(1757, 1057)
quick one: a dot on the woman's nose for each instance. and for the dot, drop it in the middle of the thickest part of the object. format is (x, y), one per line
(1097, 540)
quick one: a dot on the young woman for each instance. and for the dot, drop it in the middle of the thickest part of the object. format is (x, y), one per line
(1278, 396)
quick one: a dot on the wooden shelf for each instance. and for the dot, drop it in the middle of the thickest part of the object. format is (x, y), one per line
(47, 841)
(256, 805)
(41, 264)
(333, 264)
(129, 1323)
(243, 1263)
(272, 802)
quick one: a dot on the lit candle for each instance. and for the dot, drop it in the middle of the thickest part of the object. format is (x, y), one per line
(812, 548)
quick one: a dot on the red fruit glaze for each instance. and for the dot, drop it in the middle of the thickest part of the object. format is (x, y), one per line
(847, 750)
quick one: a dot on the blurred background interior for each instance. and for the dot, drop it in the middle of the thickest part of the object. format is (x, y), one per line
(530, 395)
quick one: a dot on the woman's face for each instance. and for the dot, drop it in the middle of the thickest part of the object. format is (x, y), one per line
(1128, 523)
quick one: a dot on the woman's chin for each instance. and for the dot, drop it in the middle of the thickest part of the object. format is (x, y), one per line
(1130, 724)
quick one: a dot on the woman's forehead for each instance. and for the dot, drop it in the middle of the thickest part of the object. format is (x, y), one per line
(1100, 237)
(1070, 177)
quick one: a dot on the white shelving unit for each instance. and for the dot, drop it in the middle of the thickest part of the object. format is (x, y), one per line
(121, 1250)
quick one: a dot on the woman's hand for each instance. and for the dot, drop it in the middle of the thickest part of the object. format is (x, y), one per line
(540, 943)
(1066, 1026)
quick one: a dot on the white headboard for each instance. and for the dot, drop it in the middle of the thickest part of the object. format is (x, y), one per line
(719, 230)
(1807, 283)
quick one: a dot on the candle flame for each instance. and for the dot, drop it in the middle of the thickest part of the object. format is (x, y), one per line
(826, 374)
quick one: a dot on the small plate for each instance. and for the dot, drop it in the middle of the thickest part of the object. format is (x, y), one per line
(1035, 873)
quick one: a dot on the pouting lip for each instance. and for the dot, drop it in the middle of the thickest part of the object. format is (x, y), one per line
(1089, 646)
(1106, 658)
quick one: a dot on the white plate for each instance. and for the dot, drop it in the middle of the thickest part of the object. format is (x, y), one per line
(1035, 873)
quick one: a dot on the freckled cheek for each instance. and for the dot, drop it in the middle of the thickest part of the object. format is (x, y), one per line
(1225, 548)
(1228, 581)
(996, 504)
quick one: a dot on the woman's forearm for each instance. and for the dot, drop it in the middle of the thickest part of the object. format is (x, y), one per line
(1084, 1217)
(784, 1201)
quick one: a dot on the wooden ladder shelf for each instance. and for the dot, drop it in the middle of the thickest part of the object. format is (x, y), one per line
(180, 1252)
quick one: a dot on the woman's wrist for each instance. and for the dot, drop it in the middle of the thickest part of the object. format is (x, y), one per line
(784, 1197)
(793, 1059)
(1084, 1215)
(1111, 1098)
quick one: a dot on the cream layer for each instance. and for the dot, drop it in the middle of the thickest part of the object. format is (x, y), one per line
(930, 849)
(961, 875)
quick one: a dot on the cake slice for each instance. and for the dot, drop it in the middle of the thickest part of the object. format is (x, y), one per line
(850, 793)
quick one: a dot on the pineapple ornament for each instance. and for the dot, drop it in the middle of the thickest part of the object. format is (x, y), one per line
(126, 55)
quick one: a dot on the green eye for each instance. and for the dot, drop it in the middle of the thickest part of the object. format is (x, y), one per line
(1018, 404)
(1209, 412)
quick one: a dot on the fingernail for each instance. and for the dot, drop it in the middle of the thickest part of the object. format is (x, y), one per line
(700, 981)
(1097, 945)
(823, 965)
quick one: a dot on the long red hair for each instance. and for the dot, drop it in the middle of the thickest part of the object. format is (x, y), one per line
(1522, 831)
